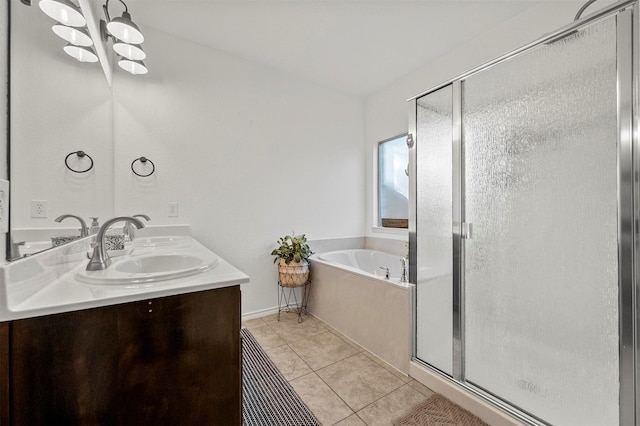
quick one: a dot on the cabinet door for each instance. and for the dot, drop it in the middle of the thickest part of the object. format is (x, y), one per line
(172, 360)
(180, 360)
(64, 368)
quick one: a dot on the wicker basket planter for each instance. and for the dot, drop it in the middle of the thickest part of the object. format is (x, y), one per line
(293, 274)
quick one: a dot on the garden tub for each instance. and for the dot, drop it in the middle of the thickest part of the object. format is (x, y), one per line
(350, 292)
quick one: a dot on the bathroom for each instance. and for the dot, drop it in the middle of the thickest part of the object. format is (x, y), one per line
(256, 127)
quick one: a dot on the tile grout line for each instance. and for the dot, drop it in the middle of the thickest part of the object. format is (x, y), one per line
(336, 393)
(384, 396)
(315, 372)
(373, 402)
(359, 350)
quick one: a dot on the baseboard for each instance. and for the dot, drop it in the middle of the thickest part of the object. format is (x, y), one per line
(260, 313)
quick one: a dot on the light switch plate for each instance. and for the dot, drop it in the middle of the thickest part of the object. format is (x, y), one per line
(172, 208)
(4, 206)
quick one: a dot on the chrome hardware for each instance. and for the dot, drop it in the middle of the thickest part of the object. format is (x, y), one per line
(403, 272)
(466, 231)
(83, 226)
(14, 249)
(100, 260)
(129, 230)
(410, 141)
(80, 154)
(386, 273)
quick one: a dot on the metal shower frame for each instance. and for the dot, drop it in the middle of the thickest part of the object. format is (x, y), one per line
(628, 95)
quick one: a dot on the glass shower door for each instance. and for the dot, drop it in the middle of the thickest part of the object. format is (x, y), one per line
(434, 283)
(539, 134)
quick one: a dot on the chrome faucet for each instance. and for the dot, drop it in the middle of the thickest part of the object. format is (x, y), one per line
(14, 249)
(100, 260)
(129, 230)
(83, 225)
(403, 272)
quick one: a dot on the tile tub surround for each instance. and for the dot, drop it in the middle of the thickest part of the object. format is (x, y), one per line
(341, 382)
(388, 245)
(393, 246)
(372, 312)
(332, 244)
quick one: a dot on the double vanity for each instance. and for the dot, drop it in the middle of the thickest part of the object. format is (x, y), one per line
(154, 338)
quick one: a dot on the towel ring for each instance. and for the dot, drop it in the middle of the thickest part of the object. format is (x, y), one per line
(143, 160)
(80, 154)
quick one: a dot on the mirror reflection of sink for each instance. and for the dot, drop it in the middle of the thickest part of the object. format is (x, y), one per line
(31, 247)
(161, 241)
(148, 269)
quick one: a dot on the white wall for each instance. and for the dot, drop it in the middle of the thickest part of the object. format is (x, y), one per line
(58, 106)
(249, 154)
(386, 111)
(4, 86)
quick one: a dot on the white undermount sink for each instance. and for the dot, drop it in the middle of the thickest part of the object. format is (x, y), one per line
(149, 268)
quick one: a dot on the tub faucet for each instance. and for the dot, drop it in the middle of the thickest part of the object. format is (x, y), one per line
(386, 272)
(100, 260)
(403, 272)
(129, 230)
(14, 249)
(83, 225)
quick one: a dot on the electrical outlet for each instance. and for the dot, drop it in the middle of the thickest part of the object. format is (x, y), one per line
(173, 209)
(39, 208)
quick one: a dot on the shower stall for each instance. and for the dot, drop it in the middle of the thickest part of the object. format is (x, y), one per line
(523, 227)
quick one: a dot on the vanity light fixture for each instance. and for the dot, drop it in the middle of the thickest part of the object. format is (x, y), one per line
(123, 28)
(75, 36)
(81, 53)
(126, 40)
(129, 51)
(63, 11)
(133, 66)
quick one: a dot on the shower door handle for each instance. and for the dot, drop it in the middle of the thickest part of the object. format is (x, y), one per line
(466, 231)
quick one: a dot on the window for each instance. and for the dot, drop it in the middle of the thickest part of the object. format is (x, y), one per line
(393, 183)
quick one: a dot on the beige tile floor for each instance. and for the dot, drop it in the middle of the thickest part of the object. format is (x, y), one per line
(342, 383)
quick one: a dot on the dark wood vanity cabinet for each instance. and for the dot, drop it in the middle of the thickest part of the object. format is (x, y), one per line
(174, 360)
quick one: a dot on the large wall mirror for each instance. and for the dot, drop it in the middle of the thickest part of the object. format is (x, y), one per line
(58, 106)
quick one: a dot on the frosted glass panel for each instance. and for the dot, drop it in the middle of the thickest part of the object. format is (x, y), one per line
(434, 286)
(541, 275)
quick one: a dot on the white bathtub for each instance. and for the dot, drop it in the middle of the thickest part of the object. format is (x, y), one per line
(349, 292)
(369, 262)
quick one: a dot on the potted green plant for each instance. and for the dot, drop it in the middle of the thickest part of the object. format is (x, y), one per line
(293, 253)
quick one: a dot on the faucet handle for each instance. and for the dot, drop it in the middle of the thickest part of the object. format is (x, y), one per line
(100, 260)
(386, 271)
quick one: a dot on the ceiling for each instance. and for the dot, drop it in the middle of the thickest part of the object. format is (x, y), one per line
(355, 46)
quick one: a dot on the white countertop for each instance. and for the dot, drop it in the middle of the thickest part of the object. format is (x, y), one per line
(46, 283)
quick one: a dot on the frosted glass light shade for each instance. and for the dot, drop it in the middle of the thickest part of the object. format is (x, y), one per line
(129, 51)
(125, 30)
(75, 36)
(134, 67)
(64, 12)
(81, 53)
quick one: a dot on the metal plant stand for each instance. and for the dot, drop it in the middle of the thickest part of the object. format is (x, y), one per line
(288, 300)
